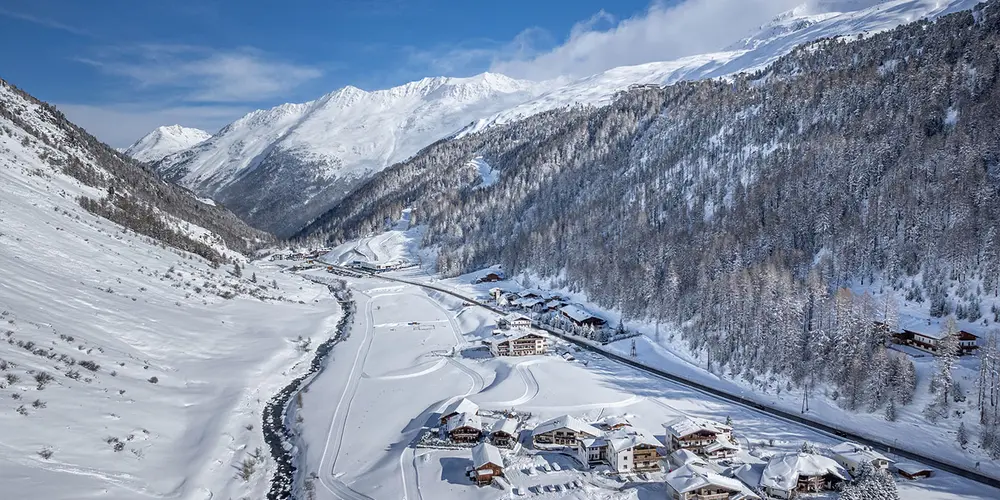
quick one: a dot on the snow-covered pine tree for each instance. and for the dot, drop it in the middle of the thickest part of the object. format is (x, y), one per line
(870, 483)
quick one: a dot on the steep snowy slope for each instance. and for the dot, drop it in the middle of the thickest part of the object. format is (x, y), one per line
(129, 368)
(280, 167)
(164, 141)
(812, 20)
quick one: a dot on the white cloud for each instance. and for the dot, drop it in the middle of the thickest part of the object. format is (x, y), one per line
(198, 74)
(122, 124)
(44, 21)
(664, 32)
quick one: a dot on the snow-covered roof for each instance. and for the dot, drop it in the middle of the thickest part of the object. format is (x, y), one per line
(567, 422)
(461, 406)
(576, 313)
(782, 471)
(750, 473)
(526, 302)
(685, 426)
(720, 444)
(485, 453)
(630, 437)
(685, 456)
(594, 442)
(507, 425)
(465, 420)
(912, 468)
(693, 477)
(615, 420)
(516, 317)
(517, 334)
(857, 453)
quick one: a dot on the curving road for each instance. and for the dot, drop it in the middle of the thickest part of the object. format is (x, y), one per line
(737, 399)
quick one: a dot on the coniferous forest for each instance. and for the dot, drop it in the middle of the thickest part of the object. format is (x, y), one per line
(741, 208)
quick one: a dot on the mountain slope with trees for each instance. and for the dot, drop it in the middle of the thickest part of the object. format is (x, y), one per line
(741, 208)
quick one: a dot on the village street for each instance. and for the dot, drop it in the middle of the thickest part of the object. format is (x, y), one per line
(413, 351)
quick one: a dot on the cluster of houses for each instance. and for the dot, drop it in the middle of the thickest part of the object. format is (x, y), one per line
(693, 453)
(543, 301)
(695, 443)
(310, 255)
(378, 267)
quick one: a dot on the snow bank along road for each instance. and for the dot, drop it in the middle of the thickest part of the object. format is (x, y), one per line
(732, 398)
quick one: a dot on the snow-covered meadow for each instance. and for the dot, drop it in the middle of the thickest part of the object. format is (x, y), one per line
(385, 385)
(129, 369)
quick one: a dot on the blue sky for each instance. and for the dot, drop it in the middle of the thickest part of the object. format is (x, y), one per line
(121, 67)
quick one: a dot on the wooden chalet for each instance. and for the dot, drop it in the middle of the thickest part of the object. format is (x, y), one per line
(790, 474)
(929, 340)
(465, 428)
(701, 436)
(487, 464)
(460, 406)
(563, 431)
(491, 277)
(504, 433)
(581, 317)
(910, 470)
(694, 482)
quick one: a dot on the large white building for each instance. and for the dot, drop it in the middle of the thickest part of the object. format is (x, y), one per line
(519, 342)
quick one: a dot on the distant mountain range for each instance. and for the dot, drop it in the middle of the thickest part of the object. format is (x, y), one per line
(282, 167)
(164, 141)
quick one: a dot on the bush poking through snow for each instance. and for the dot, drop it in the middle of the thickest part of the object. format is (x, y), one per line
(154, 380)
(43, 378)
(246, 468)
(45, 453)
(90, 365)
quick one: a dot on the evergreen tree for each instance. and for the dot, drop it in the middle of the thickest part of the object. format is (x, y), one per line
(870, 483)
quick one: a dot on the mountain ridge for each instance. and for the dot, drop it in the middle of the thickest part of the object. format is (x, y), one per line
(282, 167)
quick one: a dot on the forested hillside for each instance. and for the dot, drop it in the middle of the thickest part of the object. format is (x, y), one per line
(740, 207)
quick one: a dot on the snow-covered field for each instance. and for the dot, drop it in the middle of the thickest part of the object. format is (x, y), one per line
(386, 383)
(124, 372)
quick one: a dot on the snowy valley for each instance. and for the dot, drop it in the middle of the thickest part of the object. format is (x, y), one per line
(769, 271)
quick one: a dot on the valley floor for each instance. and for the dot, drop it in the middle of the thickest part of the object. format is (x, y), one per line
(413, 351)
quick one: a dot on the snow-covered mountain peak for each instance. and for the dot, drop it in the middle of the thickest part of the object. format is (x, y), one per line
(269, 163)
(165, 140)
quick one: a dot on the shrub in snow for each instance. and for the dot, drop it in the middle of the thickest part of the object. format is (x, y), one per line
(153, 380)
(43, 378)
(45, 453)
